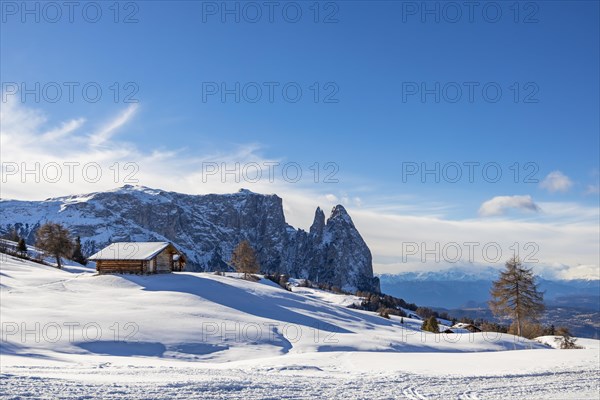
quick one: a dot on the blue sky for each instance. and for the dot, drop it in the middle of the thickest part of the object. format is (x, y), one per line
(370, 55)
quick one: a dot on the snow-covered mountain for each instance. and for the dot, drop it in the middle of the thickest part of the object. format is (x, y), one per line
(465, 274)
(207, 228)
(458, 287)
(465, 291)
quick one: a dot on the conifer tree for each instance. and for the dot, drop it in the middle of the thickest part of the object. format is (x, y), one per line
(515, 295)
(77, 254)
(22, 247)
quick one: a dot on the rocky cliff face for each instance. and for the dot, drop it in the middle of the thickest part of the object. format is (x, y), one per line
(207, 228)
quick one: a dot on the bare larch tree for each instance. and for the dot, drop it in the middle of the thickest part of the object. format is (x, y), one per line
(515, 294)
(55, 240)
(244, 259)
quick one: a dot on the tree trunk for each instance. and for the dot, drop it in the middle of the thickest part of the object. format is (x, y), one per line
(518, 308)
(58, 264)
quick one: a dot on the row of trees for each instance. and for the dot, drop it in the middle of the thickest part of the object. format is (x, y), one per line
(53, 239)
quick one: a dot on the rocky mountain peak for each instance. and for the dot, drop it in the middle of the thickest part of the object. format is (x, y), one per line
(318, 223)
(207, 228)
(339, 213)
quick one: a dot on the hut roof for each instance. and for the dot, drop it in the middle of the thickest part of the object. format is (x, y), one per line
(130, 251)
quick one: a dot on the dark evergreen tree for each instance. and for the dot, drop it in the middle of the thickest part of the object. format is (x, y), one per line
(551, 330)
(22, 247)
(77, 254)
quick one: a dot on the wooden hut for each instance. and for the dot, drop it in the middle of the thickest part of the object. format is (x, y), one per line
(139, 258)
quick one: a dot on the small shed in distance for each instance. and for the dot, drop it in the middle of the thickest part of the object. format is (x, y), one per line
(465, 326)
(139, 258)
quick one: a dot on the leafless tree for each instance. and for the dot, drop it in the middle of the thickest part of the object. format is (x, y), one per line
(244, 259)
(55, 240)
(515, 295)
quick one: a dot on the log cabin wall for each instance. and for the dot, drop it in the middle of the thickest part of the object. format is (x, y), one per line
(164, 260)
(150, 266)
(119, 266)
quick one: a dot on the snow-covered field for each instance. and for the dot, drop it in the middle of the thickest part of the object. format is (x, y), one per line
(73, 334)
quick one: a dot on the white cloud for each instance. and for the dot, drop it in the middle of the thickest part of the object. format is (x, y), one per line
(29, 142)
(567, 233)
(570, 212)
(65, 129)
(499, 205)
(109, 129)
(556, 181)
(411, 243)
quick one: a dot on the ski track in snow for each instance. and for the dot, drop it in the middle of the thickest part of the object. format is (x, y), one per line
(192, 383)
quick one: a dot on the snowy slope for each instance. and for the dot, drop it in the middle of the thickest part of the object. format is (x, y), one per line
(554, 341)
(178, 334)
(204, 316)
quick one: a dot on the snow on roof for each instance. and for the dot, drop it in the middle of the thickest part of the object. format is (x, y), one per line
(130, 251)
(462, 325)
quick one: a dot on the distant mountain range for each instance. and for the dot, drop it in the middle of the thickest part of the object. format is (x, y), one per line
(464, 274)
(465, 292)
(468, 287)
(207, 228)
